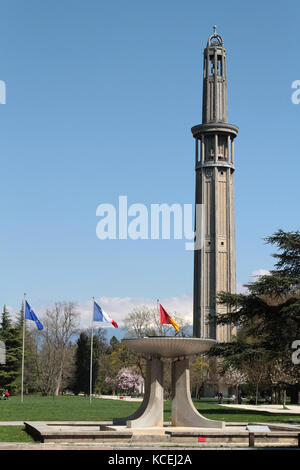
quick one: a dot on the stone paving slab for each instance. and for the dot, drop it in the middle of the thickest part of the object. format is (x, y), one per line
(11, 423)
(13, 446)
(97, 446)
(76, 435)
(120, 436)
(50, 446)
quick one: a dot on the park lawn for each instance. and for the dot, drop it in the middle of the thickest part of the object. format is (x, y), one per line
(78, 408)
(210, 409)
(14, 434)
(63, 408)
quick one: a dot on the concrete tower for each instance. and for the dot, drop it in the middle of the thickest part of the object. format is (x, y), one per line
(214, 263)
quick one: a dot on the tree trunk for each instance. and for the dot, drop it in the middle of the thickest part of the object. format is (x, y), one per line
(256, 395)
(273, 396)
(58, 384)
(284, 399)
(59, 379)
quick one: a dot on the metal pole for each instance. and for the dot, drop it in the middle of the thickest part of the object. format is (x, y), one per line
(23, 350)
(91, 359)
(158, 313)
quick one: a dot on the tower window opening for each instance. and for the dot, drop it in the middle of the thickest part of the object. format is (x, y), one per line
(219, 66)
(211, 65)
(210, 150)
(222, 148)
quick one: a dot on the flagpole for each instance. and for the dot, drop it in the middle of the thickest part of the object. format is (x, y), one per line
(23, 350)
(91, 359)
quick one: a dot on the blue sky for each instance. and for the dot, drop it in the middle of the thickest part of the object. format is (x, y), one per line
(101, 97)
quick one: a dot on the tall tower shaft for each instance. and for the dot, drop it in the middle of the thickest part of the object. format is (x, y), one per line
(214, 263)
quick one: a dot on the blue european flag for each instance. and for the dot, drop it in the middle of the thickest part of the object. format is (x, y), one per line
(30, 315)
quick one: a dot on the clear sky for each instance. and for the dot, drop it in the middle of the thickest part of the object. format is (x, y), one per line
(101, 97)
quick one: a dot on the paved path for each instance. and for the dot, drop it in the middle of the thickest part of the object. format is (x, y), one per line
(94, 446)
(118, 397)
(278, 409)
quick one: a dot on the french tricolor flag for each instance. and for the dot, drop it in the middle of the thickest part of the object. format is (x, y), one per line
(100, 315)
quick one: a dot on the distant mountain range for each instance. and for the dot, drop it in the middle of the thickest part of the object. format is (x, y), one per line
(120, 332)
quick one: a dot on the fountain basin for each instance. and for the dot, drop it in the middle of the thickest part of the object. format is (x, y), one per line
(169, 346)
(184, 413)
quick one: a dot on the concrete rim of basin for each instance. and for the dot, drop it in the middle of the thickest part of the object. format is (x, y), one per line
(169, 346)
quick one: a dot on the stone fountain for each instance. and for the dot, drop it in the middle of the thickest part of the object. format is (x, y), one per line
(150, 413)
(146, 427)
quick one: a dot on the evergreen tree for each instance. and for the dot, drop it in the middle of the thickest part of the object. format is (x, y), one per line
(268, 316)
(82, 363)
(9, 372)
(98, 359)
(18, 334)
(113, 341)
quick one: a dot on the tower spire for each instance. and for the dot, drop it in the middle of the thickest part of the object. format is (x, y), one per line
(214, 105)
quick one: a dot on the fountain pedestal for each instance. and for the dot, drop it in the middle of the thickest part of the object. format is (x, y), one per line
(184, 414)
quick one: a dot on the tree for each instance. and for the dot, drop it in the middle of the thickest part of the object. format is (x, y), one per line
(141, 322)
(113, 341)
(30, 354)
(281, 376)
(235, 378)
(117, 357)
(127, 380)
(55, 347)
(10, 371)
(199, 370)
(100, 350)
(82, 365)
(268, 315)
(256, 375)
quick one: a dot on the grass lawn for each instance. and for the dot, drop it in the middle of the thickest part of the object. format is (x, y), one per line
(63, 408)
(210, 409)
(71, 408)
(78, 408)
(14, 434)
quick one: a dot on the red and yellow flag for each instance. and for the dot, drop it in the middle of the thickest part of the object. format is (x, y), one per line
(165, 318)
